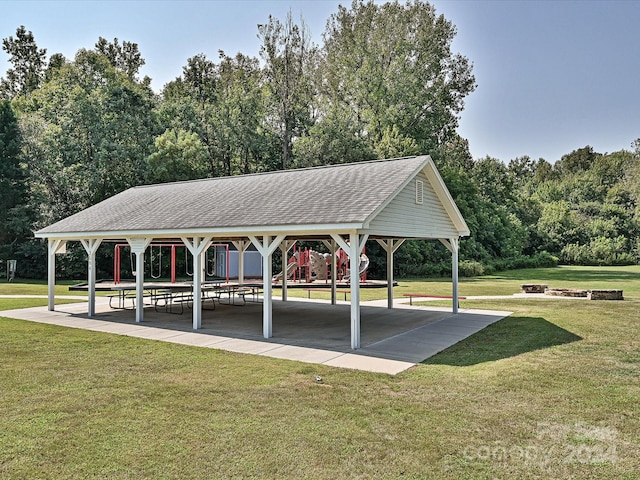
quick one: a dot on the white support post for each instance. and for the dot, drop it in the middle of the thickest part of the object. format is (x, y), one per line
(91, 247)
(241, 263)
(284, 253)
(242, 246)
(354, 247)
(197, 246)
(197, 286)
(354, 266)
(334, 272)
(333, 248)
(267, 275)
(51, 276)
(390, 274)
(453, 245)
(266, 247)
(454, 273)
(390, 246)
(138, 247)
(285, 246)
(53, 247)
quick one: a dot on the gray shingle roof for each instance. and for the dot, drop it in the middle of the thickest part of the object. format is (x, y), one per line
(338, 194)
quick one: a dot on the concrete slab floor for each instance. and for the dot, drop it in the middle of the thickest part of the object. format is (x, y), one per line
(306, 331)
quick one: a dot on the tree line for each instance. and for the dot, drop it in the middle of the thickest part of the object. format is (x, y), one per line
(383, 83)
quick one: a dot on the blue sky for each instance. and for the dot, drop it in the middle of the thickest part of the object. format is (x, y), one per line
(552, 76)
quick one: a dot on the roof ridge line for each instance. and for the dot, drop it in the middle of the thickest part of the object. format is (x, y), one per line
(255, 174)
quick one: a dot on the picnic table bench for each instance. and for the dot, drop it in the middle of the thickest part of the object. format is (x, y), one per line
(309, 290)
(156, 295)
(249, 289)
(127, 293)
(232, 292)
(121, 297)
(169, 300)
(425, 295)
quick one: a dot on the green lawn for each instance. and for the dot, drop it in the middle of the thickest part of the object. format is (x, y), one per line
(508, 283)
(11, 303)
(550, 392)
(38, 287)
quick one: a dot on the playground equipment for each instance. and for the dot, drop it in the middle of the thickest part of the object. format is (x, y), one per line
(291, 268)
(306, 265)
(155, 257)
(362, 268)
(318, 264)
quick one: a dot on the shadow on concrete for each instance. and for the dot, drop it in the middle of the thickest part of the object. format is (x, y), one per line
(307, 324)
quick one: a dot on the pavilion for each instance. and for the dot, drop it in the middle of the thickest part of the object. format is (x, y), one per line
(343, 206)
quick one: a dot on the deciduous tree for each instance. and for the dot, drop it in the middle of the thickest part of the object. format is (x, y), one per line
(288, 56)
(87, 133)
(125, 58)
(179, 155)
(13, 188)
(28, 62)
(390, 66)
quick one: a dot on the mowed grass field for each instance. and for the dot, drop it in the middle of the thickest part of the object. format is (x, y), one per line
(550, 392)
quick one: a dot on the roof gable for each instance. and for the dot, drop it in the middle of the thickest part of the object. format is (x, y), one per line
(434, 216)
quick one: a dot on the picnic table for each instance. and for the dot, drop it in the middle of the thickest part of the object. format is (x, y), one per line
(153, 292)
(232, 293)
(169, 297)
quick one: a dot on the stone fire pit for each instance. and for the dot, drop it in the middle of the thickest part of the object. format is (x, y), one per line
(533, 288)
(567, 292)
(605, 295)
(588, 294)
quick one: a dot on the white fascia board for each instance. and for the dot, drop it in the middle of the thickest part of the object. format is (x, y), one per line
(384, 204)
(74, 236)
(374, 234)
(289, 230)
